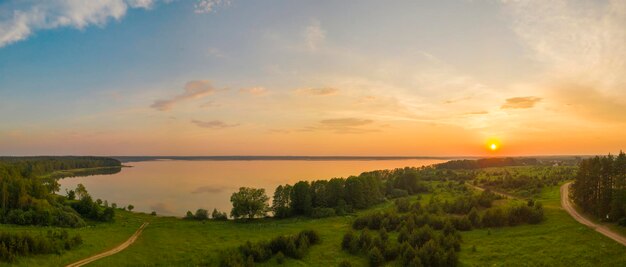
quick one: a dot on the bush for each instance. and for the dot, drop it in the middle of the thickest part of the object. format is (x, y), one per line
(17, 244)
(280, 257)
(375, 257)
(322, 212)
(294, 246)
(201, 215)
(219, 216)
(402, 205)
(345, 263)
(398, 193)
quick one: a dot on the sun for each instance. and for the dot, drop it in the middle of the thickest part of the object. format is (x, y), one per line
(493, 147)
(493, 144)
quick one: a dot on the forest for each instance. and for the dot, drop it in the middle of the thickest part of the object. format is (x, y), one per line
(599, 187)
(28, 196)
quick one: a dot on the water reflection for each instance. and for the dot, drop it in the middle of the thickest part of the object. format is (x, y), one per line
(171, 187)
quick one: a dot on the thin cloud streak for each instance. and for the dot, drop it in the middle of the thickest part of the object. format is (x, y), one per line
(193, 90)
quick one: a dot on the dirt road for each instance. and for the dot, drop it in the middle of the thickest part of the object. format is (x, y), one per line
(567, 205)
(505, 195)
(107, 253)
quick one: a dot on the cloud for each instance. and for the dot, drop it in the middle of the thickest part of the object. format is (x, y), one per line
(208, 189)
(21, 19)
(578, 42)
(342, 126)
(214, 52)
(346, 122)
(482, 112)
(193, 90)
(253, 91)
(208, 6)
(326, 91)
(520, 102)
(314, 35)
(590, 103)
(215, 124)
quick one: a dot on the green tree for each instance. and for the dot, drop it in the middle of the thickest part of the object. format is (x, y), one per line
(282, 201)
(201, 214)
(81, 191)
(301, 202)
(71, 195)
(249, 202)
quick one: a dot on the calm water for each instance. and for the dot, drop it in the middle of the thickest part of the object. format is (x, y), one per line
(171, 187)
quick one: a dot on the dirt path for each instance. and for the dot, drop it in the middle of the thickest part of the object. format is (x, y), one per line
(567, 205)
(107, 253)
(495, 192)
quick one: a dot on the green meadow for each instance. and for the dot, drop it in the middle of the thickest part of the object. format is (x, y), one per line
(168, 241)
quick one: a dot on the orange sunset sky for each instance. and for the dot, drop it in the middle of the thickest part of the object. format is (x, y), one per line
(219, 77)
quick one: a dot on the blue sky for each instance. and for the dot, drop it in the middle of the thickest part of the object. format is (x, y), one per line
(301, 77)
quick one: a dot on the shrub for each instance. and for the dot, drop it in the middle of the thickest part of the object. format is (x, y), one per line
(375, 257)
(219, 216)
(201, 214)
(293, 246)
(280, 257)
(322, 212)
(402, 205)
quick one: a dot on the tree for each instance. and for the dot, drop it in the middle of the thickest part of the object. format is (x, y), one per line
(81, 191)
(376, 258)
(301, 202)
(249, 202)
(217, 215)
(130, 207)
(202, 214)
(189, 215)
(282, 201)
(71, 195)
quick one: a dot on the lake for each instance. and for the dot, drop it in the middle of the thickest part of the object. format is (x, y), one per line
(172, 187)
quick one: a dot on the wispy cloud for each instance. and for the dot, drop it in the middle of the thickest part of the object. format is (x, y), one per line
(520, 102)
(215, 124)
(343, 126)
(582, 44)
(192, 90)
(24, 18)
(325, 91)
(214, 52)
(346, 122)
(253, 91)
(208, 189)
(314, 35)
(208, 6)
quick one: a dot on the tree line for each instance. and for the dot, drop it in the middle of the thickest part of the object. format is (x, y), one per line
(324, 198)
(599, 187)
(427, 234)
(28, 193)
(13, 245)
(292, 246)
(487, 163)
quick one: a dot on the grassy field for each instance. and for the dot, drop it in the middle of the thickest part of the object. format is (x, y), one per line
(96, 238)
(168, 241)
(558, 241)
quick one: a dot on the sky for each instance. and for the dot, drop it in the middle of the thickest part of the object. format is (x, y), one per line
(252, 77)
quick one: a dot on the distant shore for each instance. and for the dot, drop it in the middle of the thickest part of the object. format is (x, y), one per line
(253, 158)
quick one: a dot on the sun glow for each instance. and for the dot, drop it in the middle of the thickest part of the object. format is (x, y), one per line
(493, 147)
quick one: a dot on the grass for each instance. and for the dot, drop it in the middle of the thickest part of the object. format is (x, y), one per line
(96, 238)
(558, 241)
(169, 241)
